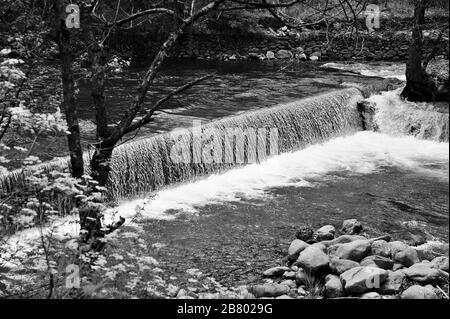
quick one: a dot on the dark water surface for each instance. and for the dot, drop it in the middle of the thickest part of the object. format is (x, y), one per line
(236, 242)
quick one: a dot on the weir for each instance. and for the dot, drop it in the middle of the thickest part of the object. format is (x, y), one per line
(143, 166)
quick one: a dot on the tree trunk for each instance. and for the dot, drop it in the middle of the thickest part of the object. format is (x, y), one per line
(419, 11)
(70, 109)
(100, 160)
(100, 164)
(419, 86)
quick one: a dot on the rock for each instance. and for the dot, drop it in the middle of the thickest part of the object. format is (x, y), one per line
(269, 290)
(361, 279)
(289, 274)
(342, 240)
(439, 72)
(381, 248)
(305, 233)
(313, 259)
(333, 287)
(325, 233)
(431, 250)
(301, 291)
(393, 282)
(270, 55)
(253, 56)
(367, 111)
(276, 271)
(407, 257)
(296, 247)
(419, 292)
(285, 297)
(299, 50)
(232, 58)
(378, 261)
(440, 263)
(283, 54)
(424, 274)
(290, 283)
(339, 266)
(315, 56)
(397, 267)
(370, 295)
(351, 227)
(355, 250)
(397, 246)
(301, 57)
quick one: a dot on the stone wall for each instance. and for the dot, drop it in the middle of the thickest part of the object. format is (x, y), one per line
(393, 47)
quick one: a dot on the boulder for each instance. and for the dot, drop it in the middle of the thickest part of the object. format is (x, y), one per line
(431, 250)
(270, 55)
(301, 57)
(367, 110)
(315, 56)
(253, 56)
(381, 248)
(424, 274)
(407, 257)
(285, 297)
(439, 73)
(290, 283)
(296, 247)
(339, 266)
(397, 266)
(299, 50)
(289, 274)
(325, 233)
(283, 54)
(333, 287)
(304, 233)
(313, 259)
(393, 283)
(269, 290)
(370, 295)
(276, 271)
(419, 292)
(355, 250)
(377, 261)
(351, 226)
(440, 263)
(397, 246)
(342, 240)
(362, 279)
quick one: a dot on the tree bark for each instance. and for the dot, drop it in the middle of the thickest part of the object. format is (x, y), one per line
(102, 154)
(419, 86)
(419, 11)
(68, 103)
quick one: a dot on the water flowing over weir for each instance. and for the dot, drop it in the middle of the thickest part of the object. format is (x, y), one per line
(146, 165)
(140, 167)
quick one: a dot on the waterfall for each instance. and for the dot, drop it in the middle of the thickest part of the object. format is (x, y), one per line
(395, 116)
(142, 166)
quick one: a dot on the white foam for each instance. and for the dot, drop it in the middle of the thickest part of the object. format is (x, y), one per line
(397, 117)
(362, 153)
(381, 70)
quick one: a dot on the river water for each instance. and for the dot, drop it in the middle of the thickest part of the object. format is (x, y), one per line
(245, 218)
(235, 224)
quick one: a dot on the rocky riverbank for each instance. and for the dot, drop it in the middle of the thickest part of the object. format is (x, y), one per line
(327, 263)
(285, 44)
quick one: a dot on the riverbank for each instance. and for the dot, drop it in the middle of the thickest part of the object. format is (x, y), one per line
(390, 43)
